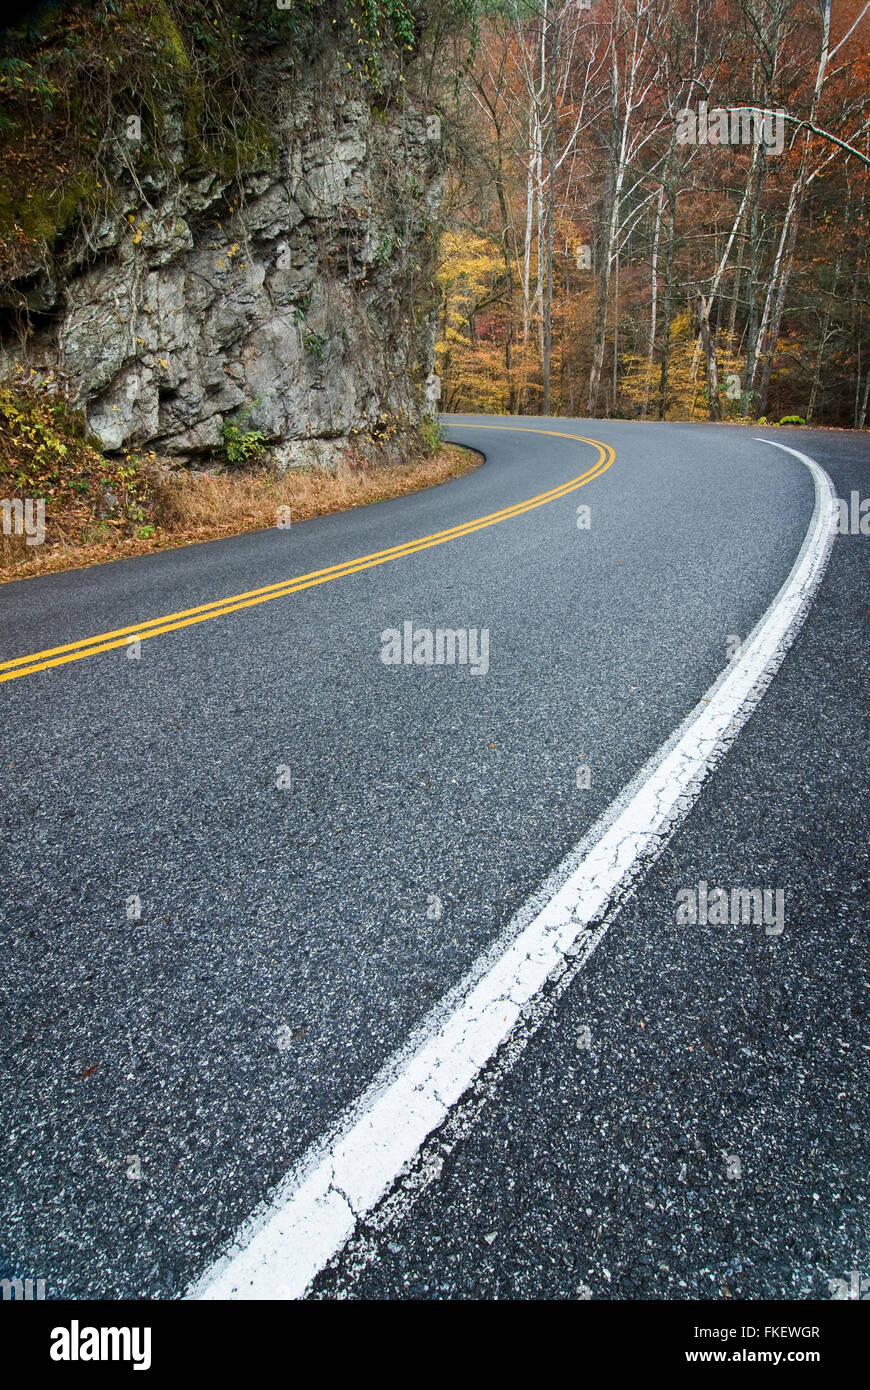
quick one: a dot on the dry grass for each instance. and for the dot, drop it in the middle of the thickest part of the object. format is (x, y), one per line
(186, 508)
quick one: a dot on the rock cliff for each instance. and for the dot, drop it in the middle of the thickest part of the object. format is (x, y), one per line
(291, 294)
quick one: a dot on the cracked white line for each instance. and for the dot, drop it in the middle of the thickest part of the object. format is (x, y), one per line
(346, 1174)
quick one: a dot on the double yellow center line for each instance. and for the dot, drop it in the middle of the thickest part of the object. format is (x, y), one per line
(171, 622)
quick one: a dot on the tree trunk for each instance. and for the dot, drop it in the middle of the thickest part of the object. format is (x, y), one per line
(552, 132)
(654, 297)
(747, 404)
(667, 304)
(703, 311)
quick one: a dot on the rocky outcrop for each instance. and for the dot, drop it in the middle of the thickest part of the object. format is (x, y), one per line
(294, 297)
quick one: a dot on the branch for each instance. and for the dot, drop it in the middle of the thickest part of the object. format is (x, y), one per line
(810, 125)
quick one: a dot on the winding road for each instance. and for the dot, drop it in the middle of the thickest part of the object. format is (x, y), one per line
(312, 983)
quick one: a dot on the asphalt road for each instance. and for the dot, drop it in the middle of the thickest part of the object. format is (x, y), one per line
(286, 945)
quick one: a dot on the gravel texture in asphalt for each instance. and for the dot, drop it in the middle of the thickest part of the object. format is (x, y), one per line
(284, 948)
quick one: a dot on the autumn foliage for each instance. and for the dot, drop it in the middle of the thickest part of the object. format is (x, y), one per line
(595, 264)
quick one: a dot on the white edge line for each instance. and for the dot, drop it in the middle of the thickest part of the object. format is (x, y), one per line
(316, 1207)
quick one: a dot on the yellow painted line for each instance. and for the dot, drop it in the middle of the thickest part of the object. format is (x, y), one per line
(347, 566)
(171, 622)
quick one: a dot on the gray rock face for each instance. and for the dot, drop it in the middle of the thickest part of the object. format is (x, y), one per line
(296, 298)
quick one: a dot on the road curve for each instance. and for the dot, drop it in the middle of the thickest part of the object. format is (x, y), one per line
(286, 943)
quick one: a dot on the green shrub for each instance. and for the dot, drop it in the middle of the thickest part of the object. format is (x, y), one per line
(432, 434)
(313, 343)
(45, 453)
(241, 445)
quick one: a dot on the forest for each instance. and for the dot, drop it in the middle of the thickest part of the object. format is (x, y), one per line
(658, 210)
